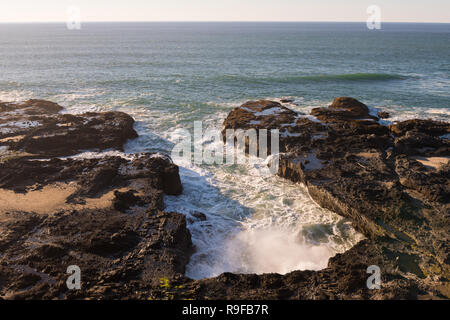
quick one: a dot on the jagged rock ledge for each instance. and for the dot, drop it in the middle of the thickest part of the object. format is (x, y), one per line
(392, 182)
(107, 215)
(36, 128)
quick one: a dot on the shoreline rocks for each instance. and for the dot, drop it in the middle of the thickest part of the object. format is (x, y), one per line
(35, 128)
(107, 215)
(391, 182)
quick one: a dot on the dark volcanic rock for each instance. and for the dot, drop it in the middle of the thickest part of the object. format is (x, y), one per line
(259, 114)
(429, 127)
(122, 253)
(392, 182)
(36, 129)
(342, 108)
(124, 200)
(344, 278)
(31, 107)
(104, 215)
(383, 115)
(87, 177)
(351, 105)
(107, 215)
(431, 184)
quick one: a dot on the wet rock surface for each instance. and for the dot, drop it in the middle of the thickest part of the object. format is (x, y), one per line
(107, 215)
(392, 182)
(35, 128)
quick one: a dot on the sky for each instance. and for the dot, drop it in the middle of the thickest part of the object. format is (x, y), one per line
(224, 10)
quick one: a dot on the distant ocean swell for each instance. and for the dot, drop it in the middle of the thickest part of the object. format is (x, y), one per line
(349, 77)
(290, 79)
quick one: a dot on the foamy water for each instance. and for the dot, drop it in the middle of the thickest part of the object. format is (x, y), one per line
(168, 75)
(255, 223)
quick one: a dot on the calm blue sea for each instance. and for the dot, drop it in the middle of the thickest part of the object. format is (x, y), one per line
(167, 75)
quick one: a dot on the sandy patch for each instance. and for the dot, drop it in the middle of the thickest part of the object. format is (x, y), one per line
(367, 154)
(432, 162)
(12, 139)
(49, 199)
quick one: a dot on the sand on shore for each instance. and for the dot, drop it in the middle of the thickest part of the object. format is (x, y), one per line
(434, 163)
(48, 200)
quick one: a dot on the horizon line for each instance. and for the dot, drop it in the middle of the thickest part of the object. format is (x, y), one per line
(216, 21)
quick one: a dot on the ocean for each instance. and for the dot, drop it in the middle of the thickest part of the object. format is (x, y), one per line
(168, 75)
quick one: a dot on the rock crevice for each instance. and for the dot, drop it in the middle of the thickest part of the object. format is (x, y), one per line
(107, 215)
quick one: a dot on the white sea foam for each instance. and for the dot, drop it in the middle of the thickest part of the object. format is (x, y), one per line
(14, 126)
(89, 154)
(402, 113)
(268, 112)
(255, 223)
(275, 250)
(15, 95)
(440, 112)
(21, 124)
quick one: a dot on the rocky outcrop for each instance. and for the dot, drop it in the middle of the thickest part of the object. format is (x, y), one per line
(35, 128)
(104, 215)
(344, 278)
(392, 182)
(342, 109)
(259, 114)
(107, 215)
